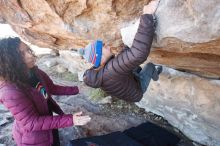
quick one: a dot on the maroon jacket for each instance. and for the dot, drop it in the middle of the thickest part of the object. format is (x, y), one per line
(33, 121)
(116, 77)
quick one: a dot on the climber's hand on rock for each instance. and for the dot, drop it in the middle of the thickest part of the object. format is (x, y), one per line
(151, 7)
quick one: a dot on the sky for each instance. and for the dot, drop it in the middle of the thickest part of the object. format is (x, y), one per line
(7, 31)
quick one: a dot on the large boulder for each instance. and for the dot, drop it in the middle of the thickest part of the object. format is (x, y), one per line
(187, 36)
(64, 24)
(190, 103)
(188, 32)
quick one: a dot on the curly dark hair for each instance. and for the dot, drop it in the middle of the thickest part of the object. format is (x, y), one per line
(12, 66)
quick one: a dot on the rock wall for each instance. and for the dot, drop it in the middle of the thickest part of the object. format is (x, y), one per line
(188, 31)
(188, 35)
(63, 24)
(190, 103)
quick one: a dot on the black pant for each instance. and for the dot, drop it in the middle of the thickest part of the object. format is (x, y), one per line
(56, 139)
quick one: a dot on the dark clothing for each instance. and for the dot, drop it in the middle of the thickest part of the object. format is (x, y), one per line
(116, 78)
(146, 134)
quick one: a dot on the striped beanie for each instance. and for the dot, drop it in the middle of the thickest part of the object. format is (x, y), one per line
(92, 53)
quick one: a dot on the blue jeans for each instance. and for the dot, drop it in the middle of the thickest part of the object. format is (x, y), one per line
(145, 75)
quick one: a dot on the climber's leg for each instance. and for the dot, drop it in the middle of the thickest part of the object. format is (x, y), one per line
(149, 71)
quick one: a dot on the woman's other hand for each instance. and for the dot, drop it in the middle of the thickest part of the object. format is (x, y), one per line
(79, 119)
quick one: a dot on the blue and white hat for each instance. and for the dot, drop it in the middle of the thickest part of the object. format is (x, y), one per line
(92, 53)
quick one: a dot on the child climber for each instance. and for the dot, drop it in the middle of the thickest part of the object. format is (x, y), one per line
(121, 76)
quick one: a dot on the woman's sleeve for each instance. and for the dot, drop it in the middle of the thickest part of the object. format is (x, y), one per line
(27, 115)
(57, 89)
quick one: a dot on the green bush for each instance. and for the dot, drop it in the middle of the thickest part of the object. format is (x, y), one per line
(97, 94)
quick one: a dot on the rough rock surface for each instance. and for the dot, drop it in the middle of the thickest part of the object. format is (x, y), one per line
(188, 32)
(190, 103)
(187, 36)
(63, 24)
